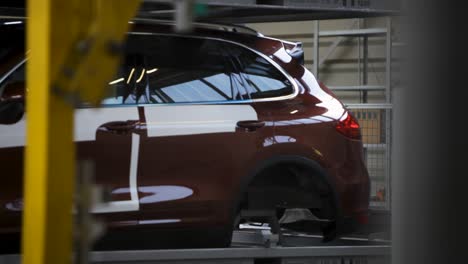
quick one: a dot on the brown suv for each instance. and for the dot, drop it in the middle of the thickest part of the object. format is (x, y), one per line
(195, 129)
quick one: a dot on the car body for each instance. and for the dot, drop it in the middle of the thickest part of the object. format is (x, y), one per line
(195, 129)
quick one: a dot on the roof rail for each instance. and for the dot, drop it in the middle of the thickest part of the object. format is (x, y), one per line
(214, 26)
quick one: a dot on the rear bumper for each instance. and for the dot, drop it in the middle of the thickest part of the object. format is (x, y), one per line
(350, 179)
(350, 224)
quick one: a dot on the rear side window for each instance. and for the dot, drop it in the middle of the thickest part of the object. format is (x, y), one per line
(260, 78)
(170, 69)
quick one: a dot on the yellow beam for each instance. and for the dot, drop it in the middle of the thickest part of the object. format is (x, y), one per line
(54, 30)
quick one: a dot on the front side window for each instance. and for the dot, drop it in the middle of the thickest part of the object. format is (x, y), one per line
(170, 69)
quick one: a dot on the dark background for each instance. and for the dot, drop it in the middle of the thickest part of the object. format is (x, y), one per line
(431, 187)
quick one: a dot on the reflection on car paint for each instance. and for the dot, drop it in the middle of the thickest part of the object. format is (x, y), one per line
(278, 139)
(314, 87)
(158, 221)
(302, 121)
(164, 193)
(160, 193)
(16, 205)
(195, 119)
(334, 108)
(283, 55)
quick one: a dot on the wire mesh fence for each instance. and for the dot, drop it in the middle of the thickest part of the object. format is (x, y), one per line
(376, 128)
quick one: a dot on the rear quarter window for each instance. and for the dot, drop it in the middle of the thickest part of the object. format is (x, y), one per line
(260, 78)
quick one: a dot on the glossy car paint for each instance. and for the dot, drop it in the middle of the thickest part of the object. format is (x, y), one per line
(178, 166)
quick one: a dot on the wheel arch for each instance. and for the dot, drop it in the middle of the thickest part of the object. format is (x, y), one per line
(278, 160)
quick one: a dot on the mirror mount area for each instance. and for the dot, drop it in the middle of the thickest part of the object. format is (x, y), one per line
(11, 111)
(12, 103)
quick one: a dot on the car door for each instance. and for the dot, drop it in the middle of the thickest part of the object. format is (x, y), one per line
(198, 137)
(110, 137)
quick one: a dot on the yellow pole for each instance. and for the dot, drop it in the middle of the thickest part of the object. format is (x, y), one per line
(49, 167)
(54, 26)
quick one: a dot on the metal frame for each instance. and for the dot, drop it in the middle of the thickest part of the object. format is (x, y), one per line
(236, 255)
(388, 117)
(353, 32)
(358, 88)
(316, 55)
(189, 255)
(248, 11)
(363, 87)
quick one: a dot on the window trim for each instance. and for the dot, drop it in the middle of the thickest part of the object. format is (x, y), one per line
(272, 62)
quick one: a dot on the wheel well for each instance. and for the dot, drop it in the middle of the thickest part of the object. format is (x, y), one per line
(291, 182)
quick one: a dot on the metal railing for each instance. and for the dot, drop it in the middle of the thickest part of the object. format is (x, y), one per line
(248, 249)
(375, 125)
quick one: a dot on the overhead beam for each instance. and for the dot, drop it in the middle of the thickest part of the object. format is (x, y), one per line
(354, 32)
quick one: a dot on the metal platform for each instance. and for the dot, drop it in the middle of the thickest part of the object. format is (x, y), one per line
(248, 247)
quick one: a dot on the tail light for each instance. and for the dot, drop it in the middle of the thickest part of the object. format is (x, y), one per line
(349, 127)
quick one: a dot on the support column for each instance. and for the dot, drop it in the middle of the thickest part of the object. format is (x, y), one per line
(315, 69)
(73, 50)
(50, 153)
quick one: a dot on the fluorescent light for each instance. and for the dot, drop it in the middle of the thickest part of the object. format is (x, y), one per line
(131, 22)
(152, 70)
(13, 22)
(141, 76)
(130, 76)
(117, 81)
(294, 111)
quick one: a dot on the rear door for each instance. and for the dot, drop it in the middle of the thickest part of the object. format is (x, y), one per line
(194, 149)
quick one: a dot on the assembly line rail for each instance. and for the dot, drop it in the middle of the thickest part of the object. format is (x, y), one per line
(247, 247)
(239, 254)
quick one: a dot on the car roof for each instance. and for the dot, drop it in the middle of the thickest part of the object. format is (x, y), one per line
(215, 27)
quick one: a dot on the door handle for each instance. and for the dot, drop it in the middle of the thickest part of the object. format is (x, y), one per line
(250, 125)
(121, 126)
